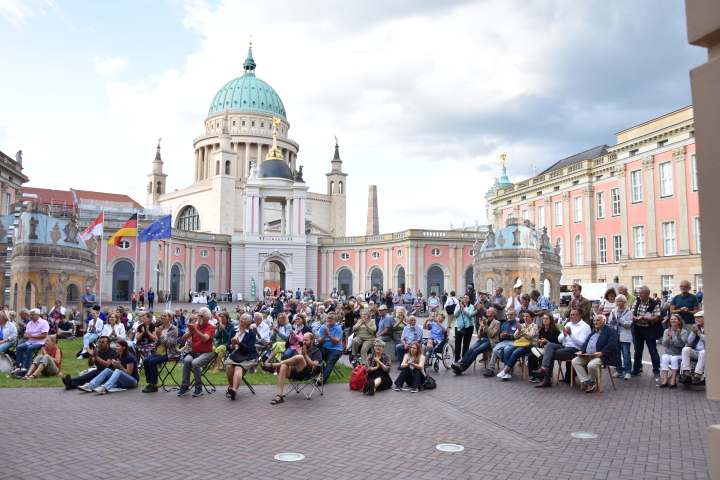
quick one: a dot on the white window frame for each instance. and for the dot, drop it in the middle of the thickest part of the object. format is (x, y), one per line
(666, 179)
(615, 200)
(579, 250)
(668, 282)
(669, 235)
(562, 249)
(639, 250)
(524, 214)
(204, 253)
(558, 213)
(636, 186)
(577, 209)
(617, 248)
(434, 250)
(637, 282)
(375, 255)
(698, 282)
(600, 202)
(693, 167)
(541, 216)
(697, 235)
(602, 250)
(124, 245)
(344, 256)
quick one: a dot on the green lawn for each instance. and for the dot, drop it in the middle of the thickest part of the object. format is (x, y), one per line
(73, 367)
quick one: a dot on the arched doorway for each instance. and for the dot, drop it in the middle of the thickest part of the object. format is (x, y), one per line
(345, 281)
(274, 275)
(489, 287)
(532, 284)
(435, 281)
(175, 282)
(469, 276)
(123, 281)
(29, 295)
(401, 278)
(547, 288)
(202, 280)
(376, 279)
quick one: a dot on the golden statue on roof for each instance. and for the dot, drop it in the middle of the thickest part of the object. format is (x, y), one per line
(275, 153)
(502, 159)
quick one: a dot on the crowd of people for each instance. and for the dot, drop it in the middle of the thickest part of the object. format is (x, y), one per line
(295, 337)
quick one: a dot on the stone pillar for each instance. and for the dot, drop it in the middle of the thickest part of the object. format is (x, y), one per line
(197, 161)
(246, 161)
(322, 286)
(452, 285)
(283, 208)
(683, 227)
(622, 189)
(531, 211)
(190, 249)
(649, 165)
(589, 220)
(261, 216)
(373, 226)
(259, 154)
(410, 271)
(569, 246)
(330, 273)
(421, 277)
(301, 208)
(357, 285)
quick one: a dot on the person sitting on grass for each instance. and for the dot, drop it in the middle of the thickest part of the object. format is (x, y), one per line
(307, 357)
(412, 368)
(378, 368)
(125, 374)
(48, 362)
(100, 357)
(243, 355)
(65, 329)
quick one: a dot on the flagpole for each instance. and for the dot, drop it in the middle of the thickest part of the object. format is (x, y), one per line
(136, 270)
(168, 283)
(102, 239)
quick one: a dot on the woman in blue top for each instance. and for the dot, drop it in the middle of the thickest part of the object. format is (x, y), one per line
(125, 374)
(242, 355)
(224, 331)
(212, 302)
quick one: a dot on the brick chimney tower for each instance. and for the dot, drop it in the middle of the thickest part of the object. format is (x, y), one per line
(373, 225)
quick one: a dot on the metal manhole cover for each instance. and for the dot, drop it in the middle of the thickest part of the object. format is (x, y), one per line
(583, 435)
(289, 457)
(450, 447)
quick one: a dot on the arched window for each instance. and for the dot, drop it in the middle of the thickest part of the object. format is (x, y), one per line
(559, 243)
(579, 254)
(340, 187)
(217, 168)
(332, 187)
(71, 294)
(227, 167)
(189, 219)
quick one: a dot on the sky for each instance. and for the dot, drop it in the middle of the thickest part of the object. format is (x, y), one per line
(423, 95)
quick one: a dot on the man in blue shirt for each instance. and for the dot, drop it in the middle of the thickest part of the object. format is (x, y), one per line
(507, 338)
(438, 329)
(180, 321)
(385, 326)
(331, 345)
(411, 333)
(88, 301)
(686, 305)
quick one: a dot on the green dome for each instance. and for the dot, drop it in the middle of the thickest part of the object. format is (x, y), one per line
(248, 93)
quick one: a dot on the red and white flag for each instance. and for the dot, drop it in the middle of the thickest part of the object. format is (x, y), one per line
(95, 228)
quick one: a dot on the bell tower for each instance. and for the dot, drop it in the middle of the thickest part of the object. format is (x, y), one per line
(156, 179)
(337, 188)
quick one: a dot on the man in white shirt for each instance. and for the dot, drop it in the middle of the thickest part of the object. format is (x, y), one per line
(261, 329)
(571, 339)
(695, 350)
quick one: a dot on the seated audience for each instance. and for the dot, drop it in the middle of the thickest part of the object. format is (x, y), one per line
(548, 333)
(412, 368)
(695, 350)
(525, 336)
(36, 331)
(296, 336)
(385, 325)
(100, 358)
(600, 348)
(145, 334)
(489, 331)
(225, 331)
(364, 329)
(8, 332)
(674, 340)
(56, 315)
(411, 333)
(572, 338)
(166, 336)
(113, 328)
(280, 336)
(331, 345)
(378, 369)
(125, 375)
(506, 337)
(438, 332)
(179, 320)
(242, 355)
(201, 335)
(262, 331)
(307, 357)
(48, 362)
(65, 329)
(92, 332)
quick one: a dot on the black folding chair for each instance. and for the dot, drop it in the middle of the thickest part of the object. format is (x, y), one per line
(166, 371)
(299, 386)
(206, 380)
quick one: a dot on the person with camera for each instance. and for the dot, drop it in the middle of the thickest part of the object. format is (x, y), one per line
(488, 337)
(100, 357)
(93, 331)
(242, 355)
(572, 339)
(124, 375)
(464, 326)
(165, 348)
(307, 357)
(201, 334)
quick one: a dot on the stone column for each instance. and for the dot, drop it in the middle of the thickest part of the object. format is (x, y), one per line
(330, 273)
(259, 154)
(357, 285)
(190, 249)
(651, 239)
(569, 243)
(531, 211)
(590, 240)
(452, 285)
(290, 218)
(322, 286)
(301, 208)
(195, 175)
(421, 277)
(410, 271)
(622, 189)
(683, 229)
(283, 208)
(246, 161)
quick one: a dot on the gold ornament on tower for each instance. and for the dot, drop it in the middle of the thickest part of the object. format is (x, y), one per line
(274, 153)
(502, 159)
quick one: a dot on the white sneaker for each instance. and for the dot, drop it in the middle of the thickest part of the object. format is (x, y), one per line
(619, 375)
(501, 374)
(79, 357)
(85, 388)
(507, 376)
(627, 376)
(101, 390)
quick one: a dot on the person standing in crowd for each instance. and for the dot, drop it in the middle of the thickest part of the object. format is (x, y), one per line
(623, 290)
(581, 303)
(133, 300)
(539, 306)
(202, 335)
(449, 306)
(686, 305)
(621, 320)
(608, 302)
(151, 298)
(481, 308)
(88, 301)
(646, 311)
(141, 297)
(464, 326)
(500, 302)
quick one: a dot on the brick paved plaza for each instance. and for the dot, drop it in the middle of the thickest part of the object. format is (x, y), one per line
(510, 430)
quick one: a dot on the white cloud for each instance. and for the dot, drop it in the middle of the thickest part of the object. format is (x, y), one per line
(17, 12)
(109, 66)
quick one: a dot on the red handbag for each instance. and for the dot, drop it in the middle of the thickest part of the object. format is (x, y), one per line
(358, 377)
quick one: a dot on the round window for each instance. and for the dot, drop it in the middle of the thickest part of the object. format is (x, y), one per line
(204, 253)
(124, 245)
(177, 251)
(472, 252)
(375, 255)
(399, 253)
(345, 256)
(436, 252)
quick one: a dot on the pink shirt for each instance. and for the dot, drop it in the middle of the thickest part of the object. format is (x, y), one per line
(36, 328)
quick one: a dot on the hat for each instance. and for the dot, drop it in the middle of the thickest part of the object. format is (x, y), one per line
(382, 307)
(483, 291)
(701, 313)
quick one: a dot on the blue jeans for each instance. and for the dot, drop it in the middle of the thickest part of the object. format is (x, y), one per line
(400, 352)
(24, 354)
(498, 353)
(641, 338)
(623, 355)
(331, 357)
(113, 378)
(134, 306)
(88, 338)
(151, 367)
(512, 354)
(5, 347)
(289, 353)
(476, 349)
(83, 379)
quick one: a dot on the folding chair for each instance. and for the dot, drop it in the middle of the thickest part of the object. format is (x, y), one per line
(205, 379)
(164, 372)
(300, 385)
(600, 379)
(560, 371)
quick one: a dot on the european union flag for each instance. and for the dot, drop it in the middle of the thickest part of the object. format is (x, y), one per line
(157, 230)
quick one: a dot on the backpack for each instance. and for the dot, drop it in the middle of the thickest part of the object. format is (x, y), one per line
(358, 378)
(429, 383)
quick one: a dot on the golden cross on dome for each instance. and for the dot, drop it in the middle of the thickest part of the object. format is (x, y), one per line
(502, 159)
(250, 41)
(275, 153)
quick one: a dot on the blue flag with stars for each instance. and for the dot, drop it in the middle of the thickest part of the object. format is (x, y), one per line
(157, 230)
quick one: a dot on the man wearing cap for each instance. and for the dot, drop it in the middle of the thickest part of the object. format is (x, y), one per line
(695, 350)
(500, 302)
(539, 306)
(385, 326)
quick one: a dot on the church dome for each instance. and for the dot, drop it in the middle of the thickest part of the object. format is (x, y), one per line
(274, 169)
(248, 93)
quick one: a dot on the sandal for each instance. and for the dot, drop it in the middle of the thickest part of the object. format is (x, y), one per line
(28, 377)
(277, 399)
(267, 366)
(227, 393)
(232, 394)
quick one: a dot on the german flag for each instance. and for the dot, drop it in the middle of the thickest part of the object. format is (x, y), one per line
(127, 230)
